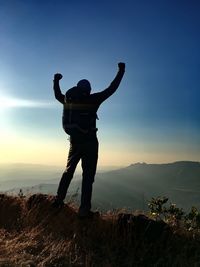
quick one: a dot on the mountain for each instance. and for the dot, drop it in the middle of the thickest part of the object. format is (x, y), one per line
(28, 175)
(27, 172)
(132, 187)
(17, 171)
(138, 183)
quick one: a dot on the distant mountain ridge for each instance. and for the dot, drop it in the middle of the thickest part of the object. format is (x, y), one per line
(133, 186)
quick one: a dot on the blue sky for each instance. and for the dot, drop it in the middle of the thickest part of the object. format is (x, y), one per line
(154, 115)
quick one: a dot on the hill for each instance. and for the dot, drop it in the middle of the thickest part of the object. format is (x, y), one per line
(132, 187)
(32, 233)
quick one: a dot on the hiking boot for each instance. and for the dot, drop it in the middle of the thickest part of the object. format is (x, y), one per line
(88, 214)
(57, 204)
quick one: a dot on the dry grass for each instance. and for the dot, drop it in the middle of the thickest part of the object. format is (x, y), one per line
(32, 233)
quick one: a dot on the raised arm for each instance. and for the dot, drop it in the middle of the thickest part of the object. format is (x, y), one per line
(56, 87)
(101, 96)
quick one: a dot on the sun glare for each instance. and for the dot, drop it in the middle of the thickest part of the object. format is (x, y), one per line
(6, 102)
(9, 102)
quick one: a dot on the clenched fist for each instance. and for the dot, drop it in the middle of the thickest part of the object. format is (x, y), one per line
(57, 77)
(121, 66)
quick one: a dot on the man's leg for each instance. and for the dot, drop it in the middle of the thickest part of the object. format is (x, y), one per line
(73, 159)
(89, 164)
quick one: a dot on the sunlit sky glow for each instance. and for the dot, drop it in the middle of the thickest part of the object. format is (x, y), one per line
(10, 102)
(153, 117)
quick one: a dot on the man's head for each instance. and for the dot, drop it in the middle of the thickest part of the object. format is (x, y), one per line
(85, 86)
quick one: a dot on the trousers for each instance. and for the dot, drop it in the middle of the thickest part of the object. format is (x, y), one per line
(88, 154)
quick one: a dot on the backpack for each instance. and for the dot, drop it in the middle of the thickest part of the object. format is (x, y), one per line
(78, 116)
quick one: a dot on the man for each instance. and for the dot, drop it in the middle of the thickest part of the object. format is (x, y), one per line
(83, 137)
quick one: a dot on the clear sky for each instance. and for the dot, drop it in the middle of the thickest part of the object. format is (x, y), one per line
(153, 117)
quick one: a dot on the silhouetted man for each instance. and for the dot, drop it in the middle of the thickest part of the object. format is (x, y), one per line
(79, 121)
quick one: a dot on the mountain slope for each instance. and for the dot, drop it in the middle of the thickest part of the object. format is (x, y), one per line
(132, 187)
(138, 183)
